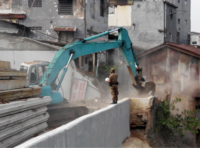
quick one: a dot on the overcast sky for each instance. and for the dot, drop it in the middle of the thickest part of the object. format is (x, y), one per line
(195, 15)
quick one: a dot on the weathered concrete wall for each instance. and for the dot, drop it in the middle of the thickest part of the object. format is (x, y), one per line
(48, 18)
(108, 127)
(95, 23)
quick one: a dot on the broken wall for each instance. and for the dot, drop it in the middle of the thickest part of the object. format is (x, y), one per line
(175, 71)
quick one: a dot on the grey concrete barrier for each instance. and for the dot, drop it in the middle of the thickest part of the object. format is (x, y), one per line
(108, 127)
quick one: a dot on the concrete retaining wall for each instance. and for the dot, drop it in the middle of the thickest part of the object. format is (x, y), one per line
(108, 127)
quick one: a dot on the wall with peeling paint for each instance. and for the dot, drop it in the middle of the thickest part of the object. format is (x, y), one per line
(95, 23)
(172, 69)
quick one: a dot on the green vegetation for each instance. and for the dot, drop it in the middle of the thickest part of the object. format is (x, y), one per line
(104, 70)
(170, 125)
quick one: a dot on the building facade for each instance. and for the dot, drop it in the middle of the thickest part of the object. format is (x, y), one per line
(60, 20)
(151, 23)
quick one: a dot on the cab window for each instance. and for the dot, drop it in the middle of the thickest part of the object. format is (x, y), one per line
(33, 77)
(41, 72)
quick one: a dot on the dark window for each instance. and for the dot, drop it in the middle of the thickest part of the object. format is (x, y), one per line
(194, 42)
(35, 3)
(179, 21)
(185, 22)
(36, 28)
(185, 2)
(102, 8)
(65, 7)
(178, 1)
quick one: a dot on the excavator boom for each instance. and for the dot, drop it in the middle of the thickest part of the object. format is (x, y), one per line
(83, 47)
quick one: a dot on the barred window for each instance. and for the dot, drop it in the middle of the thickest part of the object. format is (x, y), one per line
(35, 3)
(65, 7)
(36, 28)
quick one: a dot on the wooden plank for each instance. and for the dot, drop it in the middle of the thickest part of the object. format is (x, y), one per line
(13, 74)
(13, 84)
(5, 65)
(12, 78)
(10, 95)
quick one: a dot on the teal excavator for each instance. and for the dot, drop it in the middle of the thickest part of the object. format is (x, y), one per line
(84, 47)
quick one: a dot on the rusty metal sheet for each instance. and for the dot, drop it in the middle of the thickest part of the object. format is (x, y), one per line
(5, 65)
(65, 29)
(12, 16)
(13, 84)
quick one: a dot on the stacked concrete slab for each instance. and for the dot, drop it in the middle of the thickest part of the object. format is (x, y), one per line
(20, 120)
(21, 117)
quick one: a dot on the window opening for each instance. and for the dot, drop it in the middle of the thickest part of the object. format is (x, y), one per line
(41, 73)
(33, 76)
(102, 8)
(179, 21)
(65, 7)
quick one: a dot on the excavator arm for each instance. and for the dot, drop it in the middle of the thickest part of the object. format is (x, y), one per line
(84, 47)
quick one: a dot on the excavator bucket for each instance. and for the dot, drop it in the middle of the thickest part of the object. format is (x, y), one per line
(145, 88)
(139, 83)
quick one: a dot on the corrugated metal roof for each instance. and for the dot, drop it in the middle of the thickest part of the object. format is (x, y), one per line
(188, 49)
(184, 47)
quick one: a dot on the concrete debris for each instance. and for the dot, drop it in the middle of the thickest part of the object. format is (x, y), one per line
(141, 114)
(134, 142)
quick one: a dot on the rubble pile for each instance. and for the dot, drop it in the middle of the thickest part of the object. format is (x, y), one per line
(22, 114)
